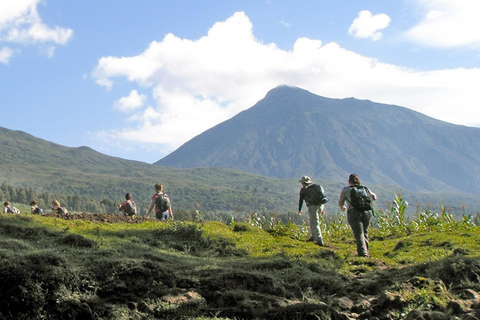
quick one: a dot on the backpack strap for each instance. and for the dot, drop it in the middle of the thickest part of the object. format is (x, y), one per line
(346, 198)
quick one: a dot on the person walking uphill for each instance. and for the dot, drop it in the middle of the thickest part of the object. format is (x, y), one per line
(314, 196)
(358, 206)
(161, 202)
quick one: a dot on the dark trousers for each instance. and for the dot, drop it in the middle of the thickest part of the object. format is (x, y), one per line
(359, 222)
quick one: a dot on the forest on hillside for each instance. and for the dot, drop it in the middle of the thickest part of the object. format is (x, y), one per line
(219, 208)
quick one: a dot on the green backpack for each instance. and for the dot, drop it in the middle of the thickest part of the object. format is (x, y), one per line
(162, 203)
(315, 195)
(361, 201)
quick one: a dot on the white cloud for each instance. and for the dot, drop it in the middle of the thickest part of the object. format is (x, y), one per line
(5, 55)
(198, 83)
(132, 102)
(367, 26)
(447, 23)
(20, 23)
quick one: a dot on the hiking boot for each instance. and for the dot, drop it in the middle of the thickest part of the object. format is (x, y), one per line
(319, 242)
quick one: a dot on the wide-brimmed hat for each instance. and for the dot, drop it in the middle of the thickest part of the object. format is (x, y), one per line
(305, 179)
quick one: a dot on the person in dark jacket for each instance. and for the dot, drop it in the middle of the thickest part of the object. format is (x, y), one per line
(314, 211)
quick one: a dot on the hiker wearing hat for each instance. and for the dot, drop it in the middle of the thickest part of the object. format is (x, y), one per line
(314, 197)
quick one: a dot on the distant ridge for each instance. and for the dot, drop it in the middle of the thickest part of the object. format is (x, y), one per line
(292, 132)
(86, 175)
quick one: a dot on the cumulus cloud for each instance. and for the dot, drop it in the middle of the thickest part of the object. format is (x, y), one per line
(195, 84)
(447, 24)
(131, 102)
(367, 26)
(5, 55)
(20, 23)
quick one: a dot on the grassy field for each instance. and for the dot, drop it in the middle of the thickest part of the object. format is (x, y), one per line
(112, 267)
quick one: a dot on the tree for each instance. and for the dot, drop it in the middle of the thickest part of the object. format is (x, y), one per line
(22, 196)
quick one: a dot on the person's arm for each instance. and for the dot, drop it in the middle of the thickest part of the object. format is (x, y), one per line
(151, 206)
(300, 200)
(341, 201)
(372, 195)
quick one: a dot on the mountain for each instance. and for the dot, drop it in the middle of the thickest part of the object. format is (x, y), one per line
(292, 132)
(27, 161)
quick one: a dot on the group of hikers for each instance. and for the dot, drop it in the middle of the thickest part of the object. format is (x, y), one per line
(34, 208)
(160, 201)
(355, 199)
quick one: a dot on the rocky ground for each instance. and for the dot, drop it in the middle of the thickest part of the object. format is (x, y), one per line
(44, 285)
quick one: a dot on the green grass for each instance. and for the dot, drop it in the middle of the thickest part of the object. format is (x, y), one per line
(128, 270)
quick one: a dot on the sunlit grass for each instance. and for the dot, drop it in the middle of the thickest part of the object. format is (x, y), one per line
(106, 256)
(395, 240)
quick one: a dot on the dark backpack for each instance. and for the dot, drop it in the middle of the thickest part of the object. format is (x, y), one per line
(61, 210)
(360, 200)
(38, 211)
(13, 210)
(130, 208)
(314, 194)
(162, 203)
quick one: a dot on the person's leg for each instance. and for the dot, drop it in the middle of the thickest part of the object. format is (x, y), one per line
(365, 218)
(315, 224)
(355, 221)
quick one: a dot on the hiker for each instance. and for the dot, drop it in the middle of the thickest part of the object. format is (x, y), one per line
(358, 206)
(34, 209)
(128, 206)
(314, 197)
(161, 201)
(57, 208)
(8, 208)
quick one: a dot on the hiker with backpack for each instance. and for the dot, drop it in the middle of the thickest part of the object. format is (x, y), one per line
(314, 196)
(57, 208)
(34, 209)
(8, 208)
(128, 206)
(358, 206)
(161, 202)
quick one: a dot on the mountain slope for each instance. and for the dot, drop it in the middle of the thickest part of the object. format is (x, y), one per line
(292, 132)
(27, 161)
(48, 167)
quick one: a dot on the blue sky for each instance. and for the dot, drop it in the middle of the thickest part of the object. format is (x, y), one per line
(137, 79)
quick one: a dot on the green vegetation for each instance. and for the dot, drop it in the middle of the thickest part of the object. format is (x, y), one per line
(104, 266)
(84, 180)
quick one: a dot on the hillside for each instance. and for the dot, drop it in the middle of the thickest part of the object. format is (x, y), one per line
(292, 132)
(48, 167)
(27, 161)
(93, 267)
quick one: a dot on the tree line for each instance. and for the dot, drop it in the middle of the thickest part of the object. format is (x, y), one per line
(206, 206)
